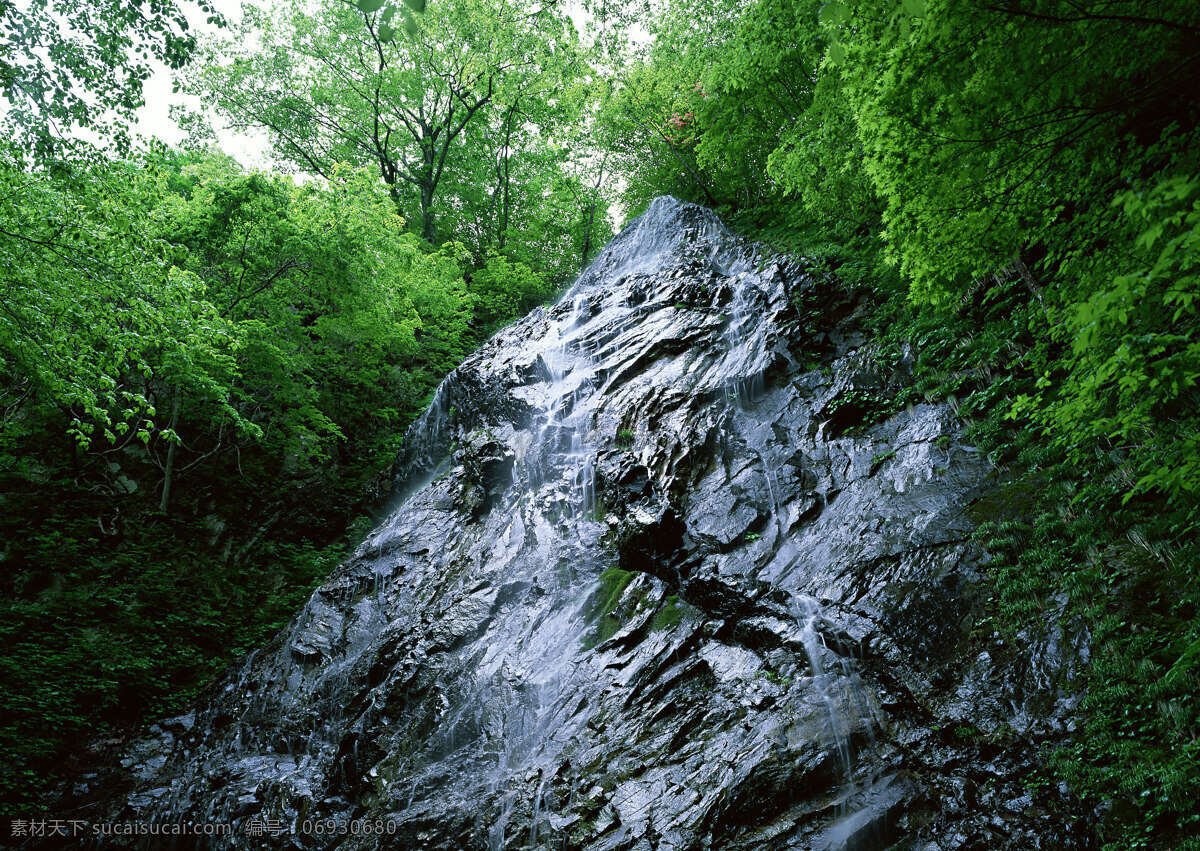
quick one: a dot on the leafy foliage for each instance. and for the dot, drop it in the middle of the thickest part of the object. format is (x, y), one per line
(69, 65)
(331, 85)
(507, 289)
(92, 303)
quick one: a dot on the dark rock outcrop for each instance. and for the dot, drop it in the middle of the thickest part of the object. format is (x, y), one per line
(666, 577)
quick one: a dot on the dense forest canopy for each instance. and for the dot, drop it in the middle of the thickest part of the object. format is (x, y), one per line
(205, 371)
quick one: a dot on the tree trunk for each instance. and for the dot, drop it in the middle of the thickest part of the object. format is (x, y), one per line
(169, 471)
(505, 179)
(428, 231)
(587, 236)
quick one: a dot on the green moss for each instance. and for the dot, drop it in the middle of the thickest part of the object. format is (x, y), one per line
(604, 629)
(670, 615)
(613, 583)
(1008, 502)
(883, 456)
(606, 620)
(772, 676)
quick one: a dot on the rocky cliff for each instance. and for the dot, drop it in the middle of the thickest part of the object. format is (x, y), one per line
(668, 573)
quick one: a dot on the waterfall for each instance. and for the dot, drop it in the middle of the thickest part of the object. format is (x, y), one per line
(631, 595)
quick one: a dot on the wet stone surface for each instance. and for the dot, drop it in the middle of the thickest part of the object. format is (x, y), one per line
(659, 580)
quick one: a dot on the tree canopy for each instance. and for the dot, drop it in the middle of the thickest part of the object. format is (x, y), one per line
(331, 84)
(80, 65)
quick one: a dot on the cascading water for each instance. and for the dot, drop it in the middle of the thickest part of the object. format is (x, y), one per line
(849, 727)
(591, 621)
(808, 613)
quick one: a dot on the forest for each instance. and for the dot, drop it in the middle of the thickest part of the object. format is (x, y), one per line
(206, 370)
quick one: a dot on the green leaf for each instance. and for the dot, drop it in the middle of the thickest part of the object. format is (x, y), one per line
(386, 33)
(832, 13)
(369, 6)
(416, 5)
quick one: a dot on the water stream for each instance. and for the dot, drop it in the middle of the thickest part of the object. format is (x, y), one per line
(849, 724)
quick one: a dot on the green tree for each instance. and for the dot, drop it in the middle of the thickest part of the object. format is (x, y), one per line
(518, 184)
(506, 290)
(650, 138)
(71, 65)
(332, 85)
(203, 372)
(702, 110)
(987, 129)
(347, 321)
(93, 305)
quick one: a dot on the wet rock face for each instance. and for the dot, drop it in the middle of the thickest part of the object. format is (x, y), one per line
(665, 577)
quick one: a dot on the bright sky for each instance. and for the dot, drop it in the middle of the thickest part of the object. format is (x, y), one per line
(153, 119)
